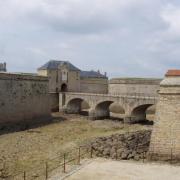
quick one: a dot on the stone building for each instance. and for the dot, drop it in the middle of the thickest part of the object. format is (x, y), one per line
(64, 76)
(3, 67)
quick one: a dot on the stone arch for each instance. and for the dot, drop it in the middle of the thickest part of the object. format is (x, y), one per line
(139, 112)
(117, 111)
(74, 106)
(64, 87)
(102, 109)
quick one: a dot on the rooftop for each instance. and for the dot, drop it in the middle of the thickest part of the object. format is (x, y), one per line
(91, 74)
(54, 64)
(173, 72)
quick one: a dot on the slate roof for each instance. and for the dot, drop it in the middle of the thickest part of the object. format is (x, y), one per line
(53, 64)
(91, 74)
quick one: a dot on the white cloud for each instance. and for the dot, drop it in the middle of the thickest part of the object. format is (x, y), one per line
(171, 15)
(134, 35)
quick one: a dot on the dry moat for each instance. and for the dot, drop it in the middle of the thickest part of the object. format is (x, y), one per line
(27, 148)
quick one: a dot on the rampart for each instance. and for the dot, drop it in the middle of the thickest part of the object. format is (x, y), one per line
(23, 98)
(131, 86)
(94, 85)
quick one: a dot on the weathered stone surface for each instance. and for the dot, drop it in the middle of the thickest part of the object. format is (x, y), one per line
(135, 107)
(23, 98)
(165, 140)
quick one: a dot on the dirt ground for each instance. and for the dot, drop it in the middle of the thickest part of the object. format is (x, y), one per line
(102, 169)
(25, 149)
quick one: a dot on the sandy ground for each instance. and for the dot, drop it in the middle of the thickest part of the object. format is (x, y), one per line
(101, 169)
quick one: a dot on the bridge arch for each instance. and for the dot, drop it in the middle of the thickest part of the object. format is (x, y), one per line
(139, 112)
(102, 109)
(74, 105)
(117, 111)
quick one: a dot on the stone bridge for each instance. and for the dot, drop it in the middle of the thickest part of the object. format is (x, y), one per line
(134, 106)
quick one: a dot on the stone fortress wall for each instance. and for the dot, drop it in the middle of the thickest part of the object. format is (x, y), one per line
(94, 85)
(133, 86)
(23, 98)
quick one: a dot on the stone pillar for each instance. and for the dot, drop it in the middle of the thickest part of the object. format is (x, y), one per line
(98, 114)
(92, 114)
(62, 101)
(165, 140)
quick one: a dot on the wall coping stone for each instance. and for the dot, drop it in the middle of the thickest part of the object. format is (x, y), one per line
(21, 76)
(149, 81)
(170, 81)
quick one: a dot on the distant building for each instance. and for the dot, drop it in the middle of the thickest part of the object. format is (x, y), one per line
(3, 67)
(64, 76)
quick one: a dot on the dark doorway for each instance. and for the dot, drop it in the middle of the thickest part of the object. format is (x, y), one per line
(64, 88)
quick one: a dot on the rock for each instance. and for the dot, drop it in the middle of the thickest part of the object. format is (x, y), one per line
(130, 156)
(106, 152)
(136, 157)
(123, 146)
(124, 155)
(119, 152)
(113, 151)
(113, 156)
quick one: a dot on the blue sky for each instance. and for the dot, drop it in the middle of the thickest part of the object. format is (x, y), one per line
(125, 38)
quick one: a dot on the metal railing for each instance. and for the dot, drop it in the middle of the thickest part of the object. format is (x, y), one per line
(59, 165)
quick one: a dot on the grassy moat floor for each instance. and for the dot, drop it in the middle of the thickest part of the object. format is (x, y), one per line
(26, 149)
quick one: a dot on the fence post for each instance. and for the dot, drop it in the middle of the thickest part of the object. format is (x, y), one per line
(91, 152)
(24, 175)
(64, 163)
(143, 156)
(79, 156)
(171, 155)
(46, 170)
(116, 154)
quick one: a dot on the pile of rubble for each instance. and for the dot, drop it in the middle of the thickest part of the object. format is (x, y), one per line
(123, 146)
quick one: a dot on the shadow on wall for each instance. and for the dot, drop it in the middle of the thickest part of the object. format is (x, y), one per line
(84, 108)
(7, 128)
(64, 88)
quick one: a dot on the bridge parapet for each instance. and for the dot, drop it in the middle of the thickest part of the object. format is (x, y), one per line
(136, 95)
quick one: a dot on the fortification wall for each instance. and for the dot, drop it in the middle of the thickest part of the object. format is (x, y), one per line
(54, 102)
(134, 86)
(23, 98)
(94, 85)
